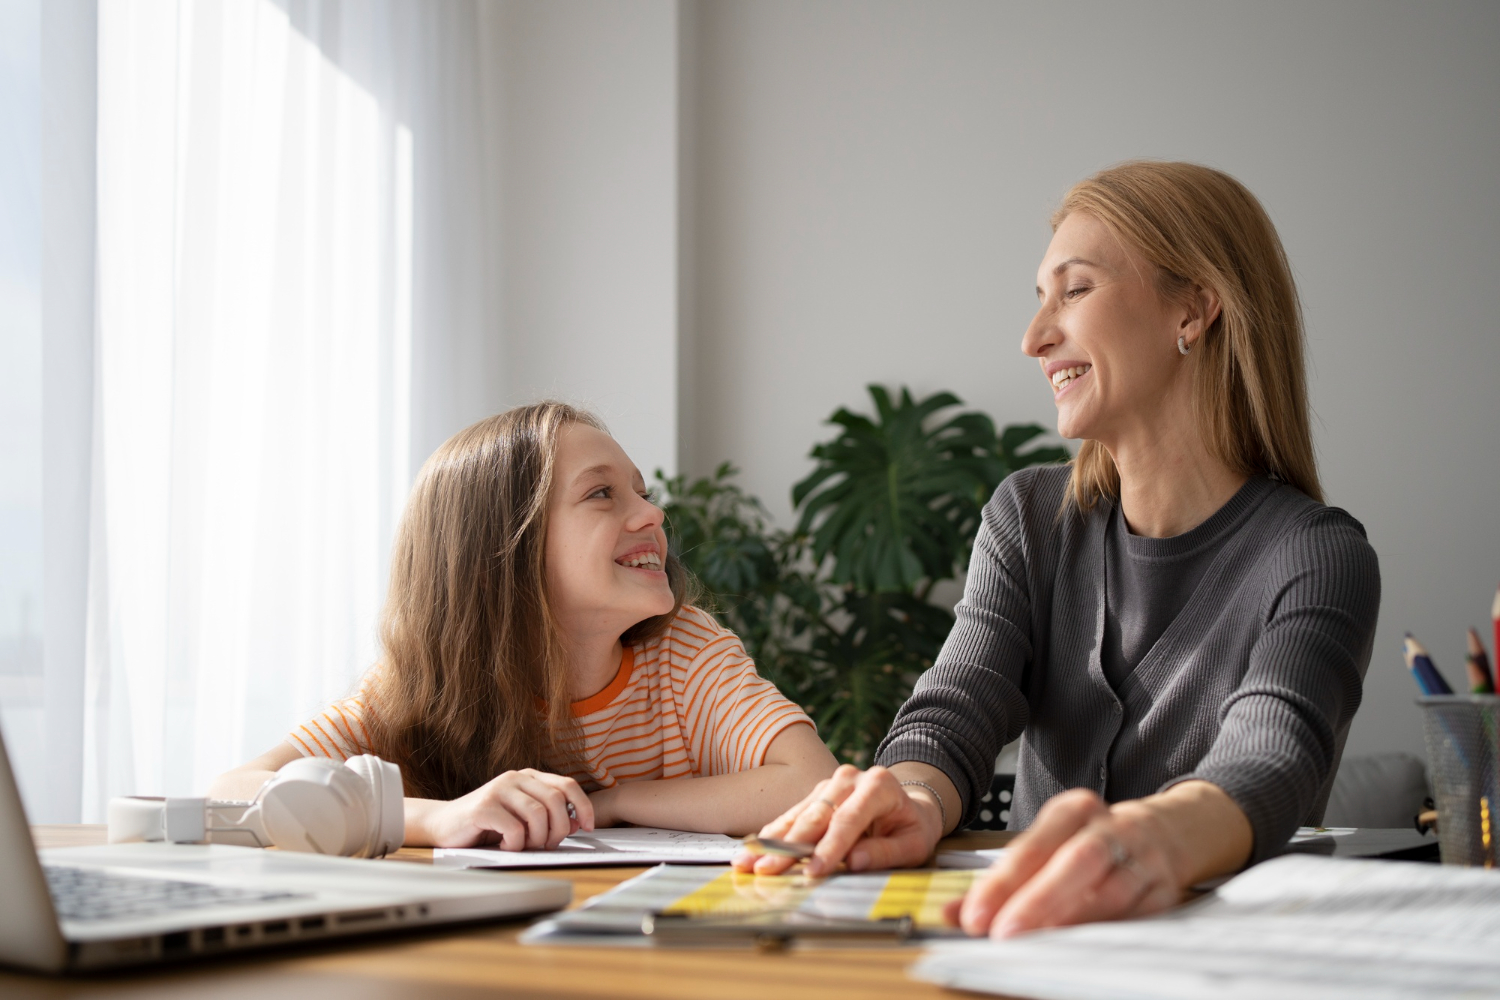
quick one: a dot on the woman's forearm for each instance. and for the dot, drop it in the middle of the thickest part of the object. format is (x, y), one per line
(1207, 833)
(736, 804)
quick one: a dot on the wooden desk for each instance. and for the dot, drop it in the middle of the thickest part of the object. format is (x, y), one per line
(486, 960)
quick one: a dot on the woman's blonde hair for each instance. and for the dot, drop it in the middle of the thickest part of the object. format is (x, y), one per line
(1202, 228)
(473, 680)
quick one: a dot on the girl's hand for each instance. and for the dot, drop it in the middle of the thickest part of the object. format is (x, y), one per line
(1081, 860)
(867, 817)
(519, 810)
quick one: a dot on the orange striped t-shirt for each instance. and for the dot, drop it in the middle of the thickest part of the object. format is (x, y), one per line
(686, 704)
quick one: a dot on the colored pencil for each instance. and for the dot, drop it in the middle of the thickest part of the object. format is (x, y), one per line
(1481, 681)
(1423, 669)
(1495, 617)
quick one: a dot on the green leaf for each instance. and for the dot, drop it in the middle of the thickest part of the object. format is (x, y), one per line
(895, 501)
(1012, 458)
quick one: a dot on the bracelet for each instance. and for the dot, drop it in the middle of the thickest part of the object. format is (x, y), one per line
(942, 810)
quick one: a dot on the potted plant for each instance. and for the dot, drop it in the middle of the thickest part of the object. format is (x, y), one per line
(838, 612)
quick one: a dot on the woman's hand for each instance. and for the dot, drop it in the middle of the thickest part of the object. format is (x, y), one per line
(867, 816)
(519, 810)
(1083, 860)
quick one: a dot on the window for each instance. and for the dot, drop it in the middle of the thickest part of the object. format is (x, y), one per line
(21, 665)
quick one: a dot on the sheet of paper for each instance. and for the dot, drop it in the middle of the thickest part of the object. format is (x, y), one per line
(626, 845)
(1292, 928)
(969, 859)
(615, 917)
(1314, 832)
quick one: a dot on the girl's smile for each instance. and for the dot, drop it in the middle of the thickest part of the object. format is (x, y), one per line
(645, 558)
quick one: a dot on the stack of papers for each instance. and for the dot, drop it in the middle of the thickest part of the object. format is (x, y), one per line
(618, 846)
(1295, 927)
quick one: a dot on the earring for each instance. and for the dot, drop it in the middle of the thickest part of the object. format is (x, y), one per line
(1182, 346)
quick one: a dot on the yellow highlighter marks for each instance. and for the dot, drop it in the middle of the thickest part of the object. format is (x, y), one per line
(736, 893)
(920, 895)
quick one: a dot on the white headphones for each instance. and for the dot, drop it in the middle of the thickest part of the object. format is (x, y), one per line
(313, 804)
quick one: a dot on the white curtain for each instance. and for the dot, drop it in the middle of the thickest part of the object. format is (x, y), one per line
(295, 244)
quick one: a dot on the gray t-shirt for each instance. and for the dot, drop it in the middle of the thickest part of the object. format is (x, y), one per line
(1148, 581)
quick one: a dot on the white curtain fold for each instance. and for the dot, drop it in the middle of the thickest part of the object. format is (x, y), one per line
(261, 310)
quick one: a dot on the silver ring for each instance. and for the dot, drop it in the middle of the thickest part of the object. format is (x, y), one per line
(830, 803)
(1120, 857)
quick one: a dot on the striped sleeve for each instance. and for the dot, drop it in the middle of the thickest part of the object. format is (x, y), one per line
(338, 731)
(731, 714)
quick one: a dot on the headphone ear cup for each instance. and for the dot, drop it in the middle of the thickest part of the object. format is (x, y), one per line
(385, 805)
(314, 805)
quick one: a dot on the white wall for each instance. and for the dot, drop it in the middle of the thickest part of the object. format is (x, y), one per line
(873, 181)
(590, 226)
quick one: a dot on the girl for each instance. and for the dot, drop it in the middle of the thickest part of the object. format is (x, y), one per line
(539, 654)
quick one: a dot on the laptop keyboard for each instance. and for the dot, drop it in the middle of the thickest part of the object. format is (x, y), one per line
(88, 894)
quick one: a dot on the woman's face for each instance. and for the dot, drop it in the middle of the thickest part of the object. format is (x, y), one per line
(1105, 337)
(605, 546)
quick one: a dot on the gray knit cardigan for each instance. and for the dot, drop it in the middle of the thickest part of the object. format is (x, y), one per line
(1252, 687)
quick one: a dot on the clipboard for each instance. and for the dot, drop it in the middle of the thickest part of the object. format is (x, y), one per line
(774, 932)
(673, 905)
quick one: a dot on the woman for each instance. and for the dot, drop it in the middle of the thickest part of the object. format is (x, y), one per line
(1174, 625)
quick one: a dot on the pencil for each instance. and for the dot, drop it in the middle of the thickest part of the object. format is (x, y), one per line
(1481, 681)
(1495, 617)
(1422, 668)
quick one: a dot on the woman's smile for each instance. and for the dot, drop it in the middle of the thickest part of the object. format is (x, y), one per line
(1063, 374)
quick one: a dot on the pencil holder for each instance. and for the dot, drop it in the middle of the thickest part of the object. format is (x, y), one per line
(1463, 756)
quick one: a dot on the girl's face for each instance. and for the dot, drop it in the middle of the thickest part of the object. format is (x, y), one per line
(605, 545)
(1105, 337)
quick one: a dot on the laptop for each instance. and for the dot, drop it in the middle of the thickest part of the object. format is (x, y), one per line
(76, 908)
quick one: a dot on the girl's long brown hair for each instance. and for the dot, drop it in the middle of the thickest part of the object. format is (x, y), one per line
(473, 680)
(1201, 227)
